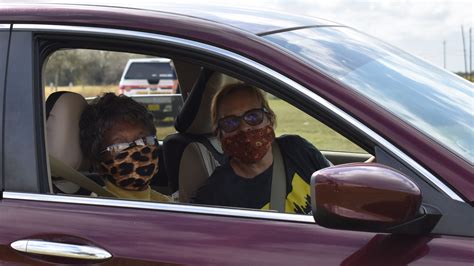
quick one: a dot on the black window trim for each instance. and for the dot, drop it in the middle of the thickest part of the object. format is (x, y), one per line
(5, 29)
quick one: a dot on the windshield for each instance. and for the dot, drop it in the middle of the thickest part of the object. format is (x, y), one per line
(150, 70)
(434, 101)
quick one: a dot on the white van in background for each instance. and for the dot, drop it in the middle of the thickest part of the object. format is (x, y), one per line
(153, 82)
(148, 76)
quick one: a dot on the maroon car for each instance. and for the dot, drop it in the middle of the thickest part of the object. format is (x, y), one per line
(413, 205)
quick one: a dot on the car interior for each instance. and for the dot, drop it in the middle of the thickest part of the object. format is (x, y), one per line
(188, 156)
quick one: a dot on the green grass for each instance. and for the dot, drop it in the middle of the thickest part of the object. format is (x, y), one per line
(165, 128)
(289, 121)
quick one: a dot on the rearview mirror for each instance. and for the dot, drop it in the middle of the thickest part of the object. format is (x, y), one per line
(366, 197)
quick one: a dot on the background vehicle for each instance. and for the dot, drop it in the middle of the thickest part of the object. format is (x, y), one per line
(152, 82)
(421, 210)
(148, 76)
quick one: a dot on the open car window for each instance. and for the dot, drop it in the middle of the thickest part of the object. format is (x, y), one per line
(69, 69)
(154, 82)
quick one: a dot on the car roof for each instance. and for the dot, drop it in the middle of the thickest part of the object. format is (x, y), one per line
(257, 21)
(253, 20)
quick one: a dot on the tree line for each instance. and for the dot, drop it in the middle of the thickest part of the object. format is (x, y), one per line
(85, 67)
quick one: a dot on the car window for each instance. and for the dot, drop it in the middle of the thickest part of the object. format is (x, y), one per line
(439, 104)
(152, 81)
(149, 80)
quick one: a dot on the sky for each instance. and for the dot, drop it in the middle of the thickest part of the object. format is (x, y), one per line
(419, 27)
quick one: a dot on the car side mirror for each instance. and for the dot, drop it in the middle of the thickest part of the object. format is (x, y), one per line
(369, 197)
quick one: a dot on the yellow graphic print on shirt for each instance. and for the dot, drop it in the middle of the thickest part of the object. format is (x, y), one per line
(299, 199)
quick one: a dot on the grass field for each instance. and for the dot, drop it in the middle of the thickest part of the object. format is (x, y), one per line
(289, 121)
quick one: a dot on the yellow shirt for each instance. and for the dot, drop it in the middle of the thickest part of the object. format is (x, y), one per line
(147, 194)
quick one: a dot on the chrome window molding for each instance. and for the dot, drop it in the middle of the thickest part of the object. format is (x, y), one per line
(5, 26)
(168, 207)
(257, 67)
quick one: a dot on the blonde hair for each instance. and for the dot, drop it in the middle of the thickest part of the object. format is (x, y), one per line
(232, 88)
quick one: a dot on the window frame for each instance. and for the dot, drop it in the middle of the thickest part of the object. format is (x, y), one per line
(5, 31)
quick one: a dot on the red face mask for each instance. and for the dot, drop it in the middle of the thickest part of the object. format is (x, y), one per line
(249, 146)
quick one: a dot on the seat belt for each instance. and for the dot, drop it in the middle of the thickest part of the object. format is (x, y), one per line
(278, 193)
(60, 169)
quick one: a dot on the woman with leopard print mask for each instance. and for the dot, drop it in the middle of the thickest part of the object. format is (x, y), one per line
(119, 138)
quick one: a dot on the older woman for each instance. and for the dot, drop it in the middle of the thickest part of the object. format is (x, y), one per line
(244, 124)
(119, 138)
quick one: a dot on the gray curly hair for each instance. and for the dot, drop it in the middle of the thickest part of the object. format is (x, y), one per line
(101, 114)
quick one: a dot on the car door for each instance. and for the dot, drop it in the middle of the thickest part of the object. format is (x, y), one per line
(114, 231)
(39, 227)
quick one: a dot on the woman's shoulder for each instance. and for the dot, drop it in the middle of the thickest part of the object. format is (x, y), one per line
(291, 140)
(214, 185)
(157, 196)
(220, 172)
(295, 144)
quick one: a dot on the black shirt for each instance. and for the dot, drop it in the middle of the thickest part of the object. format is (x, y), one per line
(301, 159)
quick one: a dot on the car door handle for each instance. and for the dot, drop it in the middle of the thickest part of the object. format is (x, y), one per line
(42, 247)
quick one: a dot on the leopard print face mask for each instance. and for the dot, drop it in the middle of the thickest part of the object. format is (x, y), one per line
(133, 168)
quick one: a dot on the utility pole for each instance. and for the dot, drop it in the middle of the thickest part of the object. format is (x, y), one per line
(444, 54)
(464, 48)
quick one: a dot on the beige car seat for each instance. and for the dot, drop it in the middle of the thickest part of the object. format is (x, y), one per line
(192, 154)
(63, 112)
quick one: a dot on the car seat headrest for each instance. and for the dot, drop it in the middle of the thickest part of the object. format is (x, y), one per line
(195, 116)
(63, 112)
